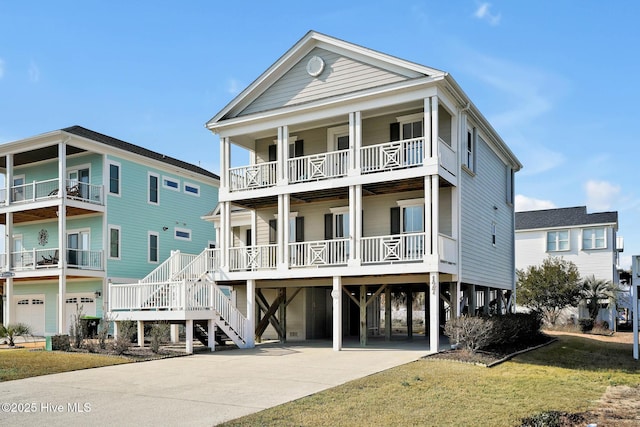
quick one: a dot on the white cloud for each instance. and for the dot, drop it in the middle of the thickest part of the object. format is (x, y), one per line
(601, 194)
(234, 86)
(34, 72)
(483, 13)
(524, 203)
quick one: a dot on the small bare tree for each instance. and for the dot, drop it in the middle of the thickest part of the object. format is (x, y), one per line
(126, 329)
(77, 329)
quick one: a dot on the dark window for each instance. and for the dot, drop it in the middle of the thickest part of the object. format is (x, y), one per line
(114, 179)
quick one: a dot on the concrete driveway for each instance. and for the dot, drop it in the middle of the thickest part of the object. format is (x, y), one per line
(198, 390)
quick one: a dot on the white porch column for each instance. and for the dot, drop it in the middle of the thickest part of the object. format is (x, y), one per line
(225, 230)
(286, 203)
(211, 334)
(175, 333)
(251, 314)
(435, 215)
(189, 333)
(115, 330)
(358, 224)
(434, 126)
(8, 286)
(434, 313)
(140, 333)
(8, 182)
(355, 141)
(336, 294)
(426, 151)
(254, 228)
(283, 155)
(62, 237)
(225, 161)
(352, 225)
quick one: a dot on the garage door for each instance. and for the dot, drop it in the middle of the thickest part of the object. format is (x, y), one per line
(74, 301)
(29, 309)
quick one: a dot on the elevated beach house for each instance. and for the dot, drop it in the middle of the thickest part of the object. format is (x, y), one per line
(81, 210)
(363, 183)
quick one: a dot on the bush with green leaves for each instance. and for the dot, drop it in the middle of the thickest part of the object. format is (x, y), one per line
(13, 330)
(586, 325)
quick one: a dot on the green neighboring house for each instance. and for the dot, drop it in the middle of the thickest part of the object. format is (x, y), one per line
(121, 210)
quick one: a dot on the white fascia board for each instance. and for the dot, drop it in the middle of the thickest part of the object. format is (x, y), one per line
(100, 148)
(33, 142)
(565, 227)
(323, 108)
(310, 41)
(496, 142)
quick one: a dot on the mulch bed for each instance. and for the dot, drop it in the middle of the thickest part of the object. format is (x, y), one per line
(493, 356)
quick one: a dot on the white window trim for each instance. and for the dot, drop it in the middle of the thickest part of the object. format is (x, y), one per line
(339, 210)
(410, 202)
(471, 170)
(119, 193)
(595, 248)
(546, 242)
(109, 228)
(190, 184)
(149, 234)
(149, 175)
(494, 233)
(184, 230)
(333, 134)
(410, 118)
(168, 178)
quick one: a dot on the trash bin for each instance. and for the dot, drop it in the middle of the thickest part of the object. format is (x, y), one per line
(90, 326)
(47, 343)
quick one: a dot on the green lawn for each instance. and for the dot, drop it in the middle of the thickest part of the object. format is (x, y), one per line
(22, 363)
(569, 375)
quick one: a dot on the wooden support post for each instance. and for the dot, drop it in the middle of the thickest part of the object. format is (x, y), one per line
(363, 315)
(487, 300)
(269, 312)
(211, 334)
(434, 313)
(453, 300)
(336, 294)
(387, 314)
(472, 300)
(189, 338)
(282, 314)
(175, 333)
(409, 313)
(140, 333)
(499, 296)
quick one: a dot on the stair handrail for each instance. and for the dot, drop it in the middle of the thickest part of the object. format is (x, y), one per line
(201, 264)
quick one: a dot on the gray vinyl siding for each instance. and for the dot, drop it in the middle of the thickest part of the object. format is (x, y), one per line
(340, 75)
(482, 263)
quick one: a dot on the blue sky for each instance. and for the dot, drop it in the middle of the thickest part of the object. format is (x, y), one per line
(558, 80)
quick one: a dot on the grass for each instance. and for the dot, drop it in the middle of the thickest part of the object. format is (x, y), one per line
(23, 363)
(569, 375)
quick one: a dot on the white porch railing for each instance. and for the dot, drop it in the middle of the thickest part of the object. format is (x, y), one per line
(393, 248)
(254, 176)
(319, 253)
(447, 157)
(149, 296)
(169, 268)
(50, 258)
(447, 249)
(229, 313)
(253, 257)
(392, 155)
(318, 166)
(207, 261)
(47, 189)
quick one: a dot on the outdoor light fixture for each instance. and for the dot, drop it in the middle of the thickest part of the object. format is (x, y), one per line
(165, 228)
(98, 294)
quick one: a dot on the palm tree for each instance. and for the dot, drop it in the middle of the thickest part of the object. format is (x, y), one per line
(14, 330)
(594, 291)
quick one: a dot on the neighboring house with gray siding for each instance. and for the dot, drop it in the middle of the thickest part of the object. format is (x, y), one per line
(589, 240)
(81, 210)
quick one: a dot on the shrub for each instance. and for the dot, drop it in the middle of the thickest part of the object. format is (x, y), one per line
(471, 333)
(103, 331)
(126, 329)
(60, 342)
(585, 325)
(159, 333)
(475, 333)
(77, 329)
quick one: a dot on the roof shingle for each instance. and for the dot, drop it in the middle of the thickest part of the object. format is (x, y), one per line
(563, 217)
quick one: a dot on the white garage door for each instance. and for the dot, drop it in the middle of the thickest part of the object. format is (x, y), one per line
(29, 309)
(86, 301)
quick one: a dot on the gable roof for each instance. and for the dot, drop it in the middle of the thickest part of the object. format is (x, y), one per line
(136, 149)
(341, 52)
(563, 217)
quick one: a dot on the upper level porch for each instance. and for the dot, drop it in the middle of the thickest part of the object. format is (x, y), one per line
(408, 139)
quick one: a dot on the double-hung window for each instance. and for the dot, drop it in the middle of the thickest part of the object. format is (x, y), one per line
(410, 130)
(153, 248)
(114, 178)
(114, 242)
(594, 238)
(558, 240)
